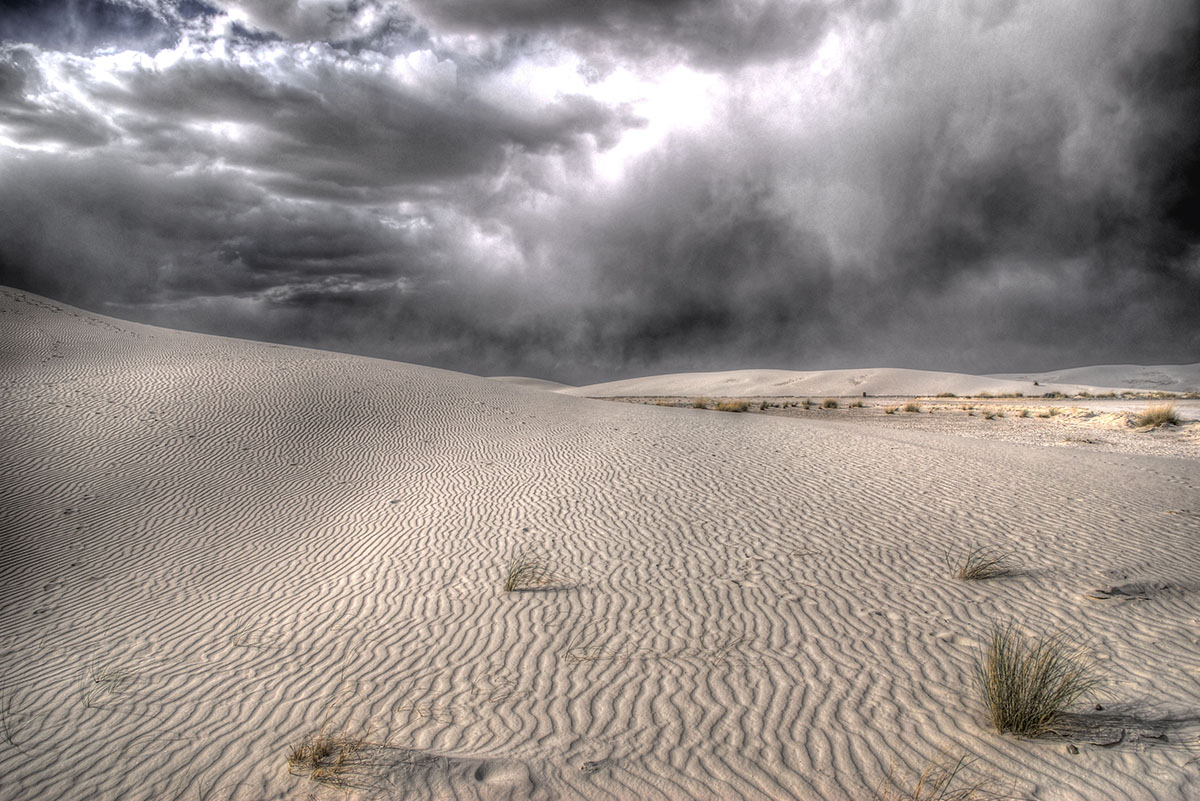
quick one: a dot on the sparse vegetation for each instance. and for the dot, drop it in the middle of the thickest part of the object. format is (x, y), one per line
(856, 404)
(940, 781)
(806, 403)
(989, 415)
(890, 409)
(700, 403)
(981, 563)
(732, 406)
(984, 395)
(1029, 682)
(1157, 416)
(324, 757)
(946, 395)
(1023, 413)
(912, 407)
(762, 407)
(527, 570)
(829, 403)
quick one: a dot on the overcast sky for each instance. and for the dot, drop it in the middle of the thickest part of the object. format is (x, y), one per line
(585, 191)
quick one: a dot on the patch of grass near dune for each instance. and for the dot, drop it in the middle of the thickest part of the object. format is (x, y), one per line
(829, 403)
(732, 406)
(700, 403)
(912, 407)
(946, 395)
(325, 757)
(857, 404)
(941, 780)
(1157, 416)
(890, 409)
(1028, 682)
(980, 564)
(527, 570)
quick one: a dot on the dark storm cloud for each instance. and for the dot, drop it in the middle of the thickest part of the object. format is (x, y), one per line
(710, 33)
(585, 190)
(82, 25)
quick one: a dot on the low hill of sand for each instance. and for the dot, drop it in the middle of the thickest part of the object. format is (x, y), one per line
(885, 381)
(214, 549)
(530, 383)
(1165, 377)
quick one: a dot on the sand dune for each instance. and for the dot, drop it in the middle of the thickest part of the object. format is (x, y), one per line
(530, 383)
(214, 548)
(1166, 377)
(889, 381)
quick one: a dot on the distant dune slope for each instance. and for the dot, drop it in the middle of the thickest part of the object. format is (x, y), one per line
(530, 383)
(873, 381)
(213, 548)
(1168, 377)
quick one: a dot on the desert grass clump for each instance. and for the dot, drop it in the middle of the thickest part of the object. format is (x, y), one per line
(946, 395)
(527, 570)
(1157, 416)
(806, 403)
(856, 404)
(762, 407)
(829, 403)
(1023, 413)
(700, 403)
(890, 409)
(325, 757)
(940, 781)
(981, 563)
(732, 406)
(1028, 683)
(912, 407)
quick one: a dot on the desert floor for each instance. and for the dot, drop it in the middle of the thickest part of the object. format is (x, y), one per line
(215, 548)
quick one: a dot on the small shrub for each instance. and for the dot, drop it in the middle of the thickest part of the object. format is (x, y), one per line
(527, 570)
(946, 395)
(806, 403)
(982, 563)
(762, 407)
(1157, 416)
(912, 407)
(989, 415)
(1029, 682)
(890, 409)
(984, 395)
(700, 403)
(829, 403)
(856, 404)
(732, 406)
(1023, 413)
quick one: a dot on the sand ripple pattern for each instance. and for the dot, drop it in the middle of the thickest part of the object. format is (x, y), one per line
(214, 547)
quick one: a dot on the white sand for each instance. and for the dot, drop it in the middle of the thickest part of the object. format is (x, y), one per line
(891, 381)
(215, 547)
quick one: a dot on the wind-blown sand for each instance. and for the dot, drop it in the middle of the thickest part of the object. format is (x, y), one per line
(214, 547)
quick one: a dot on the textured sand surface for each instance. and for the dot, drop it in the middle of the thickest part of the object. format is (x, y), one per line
(213, 548)
(891, 381)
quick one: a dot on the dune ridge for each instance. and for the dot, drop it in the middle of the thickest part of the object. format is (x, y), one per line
(217, 547)
(894, 381)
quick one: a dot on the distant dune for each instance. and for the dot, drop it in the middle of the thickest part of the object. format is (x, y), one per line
(530, 383)
(1166, 377)
(891, 381)
(218, 551)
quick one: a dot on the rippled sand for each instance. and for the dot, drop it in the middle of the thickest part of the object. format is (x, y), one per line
(214, 548)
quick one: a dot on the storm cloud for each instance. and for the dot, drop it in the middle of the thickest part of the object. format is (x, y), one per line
(589, 191)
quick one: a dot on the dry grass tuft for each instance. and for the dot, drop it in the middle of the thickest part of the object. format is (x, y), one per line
(890, 409)
(940, 781)
(829, 403)
(700, 403)
(912, 407)
(946, 395)
(325, 757)
(527, 570)
(1157, 416)
(857, 404)
(1029, 682)
(732, 406)
(982, 563)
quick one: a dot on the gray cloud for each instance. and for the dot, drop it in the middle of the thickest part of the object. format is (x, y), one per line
(582, 191)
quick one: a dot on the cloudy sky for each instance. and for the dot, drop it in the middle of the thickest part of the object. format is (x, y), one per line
(585, 191)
